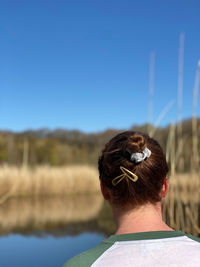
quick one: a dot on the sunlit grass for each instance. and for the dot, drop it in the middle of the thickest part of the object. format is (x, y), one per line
(181, 208)
(72, 180)
(47, 181)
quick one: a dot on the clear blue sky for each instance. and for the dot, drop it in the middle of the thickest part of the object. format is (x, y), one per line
(85, 64)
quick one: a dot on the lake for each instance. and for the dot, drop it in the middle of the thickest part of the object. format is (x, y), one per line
(33, 251)
(49, 231)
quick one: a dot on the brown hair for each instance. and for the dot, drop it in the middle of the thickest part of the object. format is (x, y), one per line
(151, 172)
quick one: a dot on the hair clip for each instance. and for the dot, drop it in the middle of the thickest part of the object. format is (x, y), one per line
(126, 173)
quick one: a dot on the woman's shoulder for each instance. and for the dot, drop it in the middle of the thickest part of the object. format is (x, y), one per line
(88, 257)
(194, 238)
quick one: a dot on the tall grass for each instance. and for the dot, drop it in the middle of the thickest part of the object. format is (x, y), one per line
(180, 96)
(195, 158)
(151, 90)
(47, 181)
(181, 208)
(70, 180)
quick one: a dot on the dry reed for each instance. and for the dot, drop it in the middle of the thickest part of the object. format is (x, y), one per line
(151, 90)
(47, 181)
(180, 96)
(195, 158)
(181, 206)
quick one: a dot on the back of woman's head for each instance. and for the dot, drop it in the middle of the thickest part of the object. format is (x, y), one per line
(119, 155)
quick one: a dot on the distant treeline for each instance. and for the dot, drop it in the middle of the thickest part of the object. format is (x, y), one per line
(65, 147)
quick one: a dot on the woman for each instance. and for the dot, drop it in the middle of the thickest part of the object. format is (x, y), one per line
(133, 176)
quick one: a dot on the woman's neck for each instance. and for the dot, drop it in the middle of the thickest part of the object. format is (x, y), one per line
(143, 219)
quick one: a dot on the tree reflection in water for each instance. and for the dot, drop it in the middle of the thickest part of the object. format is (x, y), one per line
(62, 216)
(57, 216)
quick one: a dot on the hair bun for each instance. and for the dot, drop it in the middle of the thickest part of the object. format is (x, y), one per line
(136, 143)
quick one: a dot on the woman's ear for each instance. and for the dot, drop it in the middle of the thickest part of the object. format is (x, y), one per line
(104, 190)
(165, 188)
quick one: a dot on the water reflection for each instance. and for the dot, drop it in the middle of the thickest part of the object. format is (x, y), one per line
(56, 215)
(62, 216)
